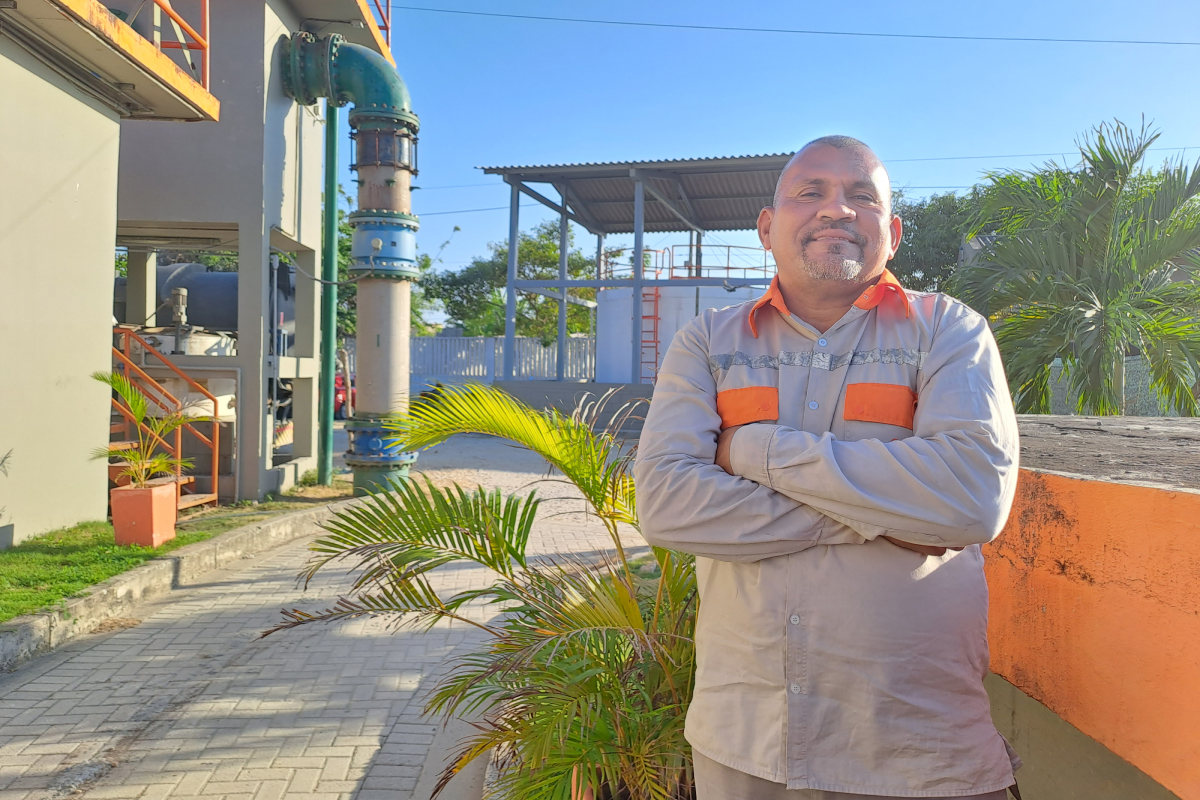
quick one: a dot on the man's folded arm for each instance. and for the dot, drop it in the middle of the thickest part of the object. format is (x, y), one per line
(687, 503)
(951, 484)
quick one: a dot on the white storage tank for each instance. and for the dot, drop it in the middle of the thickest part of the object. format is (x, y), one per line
(673, 307)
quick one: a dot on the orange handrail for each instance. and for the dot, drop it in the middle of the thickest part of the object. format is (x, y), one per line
(385, 19)
(127, 337)
(199, 40)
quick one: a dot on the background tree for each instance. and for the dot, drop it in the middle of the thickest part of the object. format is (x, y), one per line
(933, 231)
(1090, 265)
(473, 297)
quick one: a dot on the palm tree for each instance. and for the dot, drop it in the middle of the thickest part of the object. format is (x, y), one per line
(583, 682)
(1089, 265)
(143, 460)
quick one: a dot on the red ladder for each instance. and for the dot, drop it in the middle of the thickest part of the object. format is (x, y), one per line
(650, 321)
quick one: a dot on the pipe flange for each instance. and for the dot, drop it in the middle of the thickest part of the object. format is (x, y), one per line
(385, 216)
(371, 444)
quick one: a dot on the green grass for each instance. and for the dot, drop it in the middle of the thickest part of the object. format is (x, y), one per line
(41, 572)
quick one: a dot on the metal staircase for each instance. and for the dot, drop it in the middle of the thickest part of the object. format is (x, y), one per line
(128, 349)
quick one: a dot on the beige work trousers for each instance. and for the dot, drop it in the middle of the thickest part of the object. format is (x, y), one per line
(716, 781)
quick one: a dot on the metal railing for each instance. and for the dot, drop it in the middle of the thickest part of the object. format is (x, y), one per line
(187, 39)
(680, 261)
(383, 10)
(156, 393)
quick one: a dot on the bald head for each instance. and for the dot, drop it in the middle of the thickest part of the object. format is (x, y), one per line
(870, 160)
(831, 218)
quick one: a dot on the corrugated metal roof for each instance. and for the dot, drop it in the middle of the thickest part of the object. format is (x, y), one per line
(724, 193)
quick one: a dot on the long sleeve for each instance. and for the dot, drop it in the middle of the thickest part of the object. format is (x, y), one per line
(686, 502)
(950, 484)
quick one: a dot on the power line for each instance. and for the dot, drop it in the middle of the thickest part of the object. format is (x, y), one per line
(458, 186)
(473, 210)
(799, 31)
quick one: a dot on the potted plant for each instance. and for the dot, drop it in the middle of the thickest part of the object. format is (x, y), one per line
(143, 509)
(581, 687)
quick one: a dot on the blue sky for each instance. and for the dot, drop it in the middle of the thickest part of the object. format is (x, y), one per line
(500, 92)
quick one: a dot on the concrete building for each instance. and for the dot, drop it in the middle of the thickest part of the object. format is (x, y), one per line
(250, 185)
(71, 73)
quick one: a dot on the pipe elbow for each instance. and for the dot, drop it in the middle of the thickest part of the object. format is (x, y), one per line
(361, 76)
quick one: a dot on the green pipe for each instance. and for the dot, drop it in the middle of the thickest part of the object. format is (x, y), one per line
(329, 298)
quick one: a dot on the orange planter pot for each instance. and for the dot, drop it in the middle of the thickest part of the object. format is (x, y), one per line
(144, 516)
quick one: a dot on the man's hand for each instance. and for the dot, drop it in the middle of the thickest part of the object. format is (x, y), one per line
(923, 549)
(723, 441)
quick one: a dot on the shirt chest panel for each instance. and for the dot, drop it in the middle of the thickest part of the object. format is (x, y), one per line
(810, 376)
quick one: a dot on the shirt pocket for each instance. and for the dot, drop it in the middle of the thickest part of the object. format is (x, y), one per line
(748, 404)
(881, 411)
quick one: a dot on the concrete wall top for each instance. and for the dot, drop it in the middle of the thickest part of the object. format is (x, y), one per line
(1141, 450)
(1095, 613)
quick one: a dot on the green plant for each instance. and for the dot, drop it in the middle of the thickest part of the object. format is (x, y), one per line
(1089, 265)
(309, 478)
(585, 678)
(143, 460)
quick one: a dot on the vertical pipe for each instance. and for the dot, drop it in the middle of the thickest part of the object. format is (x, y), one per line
(699, 254)
(563, 230)
(510, 295)
(639, 223)
(329, 289)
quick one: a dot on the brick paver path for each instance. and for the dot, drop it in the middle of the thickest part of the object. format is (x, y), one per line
(192, 704)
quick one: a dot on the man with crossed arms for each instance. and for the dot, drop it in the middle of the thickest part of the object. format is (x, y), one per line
(835, 454)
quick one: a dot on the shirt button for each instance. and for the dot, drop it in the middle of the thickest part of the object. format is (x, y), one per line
(795, 688)
(812, 404)
(822, 342)
(795, 620)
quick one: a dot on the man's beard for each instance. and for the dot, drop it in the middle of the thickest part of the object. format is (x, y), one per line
(831, 266)
(834, 265)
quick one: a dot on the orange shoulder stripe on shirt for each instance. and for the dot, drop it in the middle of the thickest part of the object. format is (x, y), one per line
(889, 403)
(749, 404)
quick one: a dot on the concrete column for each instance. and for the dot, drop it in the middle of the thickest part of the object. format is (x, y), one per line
(141, 287)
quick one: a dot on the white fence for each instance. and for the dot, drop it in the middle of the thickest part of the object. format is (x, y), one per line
(453, 359)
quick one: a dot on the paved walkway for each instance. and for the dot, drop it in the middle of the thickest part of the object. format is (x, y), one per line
(190, 703)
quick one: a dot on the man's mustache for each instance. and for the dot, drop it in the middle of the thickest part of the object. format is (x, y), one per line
(858, 238)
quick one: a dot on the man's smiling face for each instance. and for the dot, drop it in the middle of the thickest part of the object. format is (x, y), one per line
(832, 215)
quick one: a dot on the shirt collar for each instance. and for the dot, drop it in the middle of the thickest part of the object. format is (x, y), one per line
(887, 284)
(873, 296)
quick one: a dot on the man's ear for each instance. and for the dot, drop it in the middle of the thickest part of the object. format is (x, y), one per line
(896, 226)
(764, 226)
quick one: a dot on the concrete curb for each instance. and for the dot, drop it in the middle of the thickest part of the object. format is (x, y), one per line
(24, 638)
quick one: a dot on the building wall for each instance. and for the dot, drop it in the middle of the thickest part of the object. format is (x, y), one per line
(58, 167)
(1095, 614)
(261, 169)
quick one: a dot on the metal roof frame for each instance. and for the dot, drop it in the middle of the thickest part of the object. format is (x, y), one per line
(695, 195)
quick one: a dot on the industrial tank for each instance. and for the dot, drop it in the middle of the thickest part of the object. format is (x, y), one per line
(665, 311)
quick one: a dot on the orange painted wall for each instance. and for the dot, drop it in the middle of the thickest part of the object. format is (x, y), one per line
(1095, 613)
